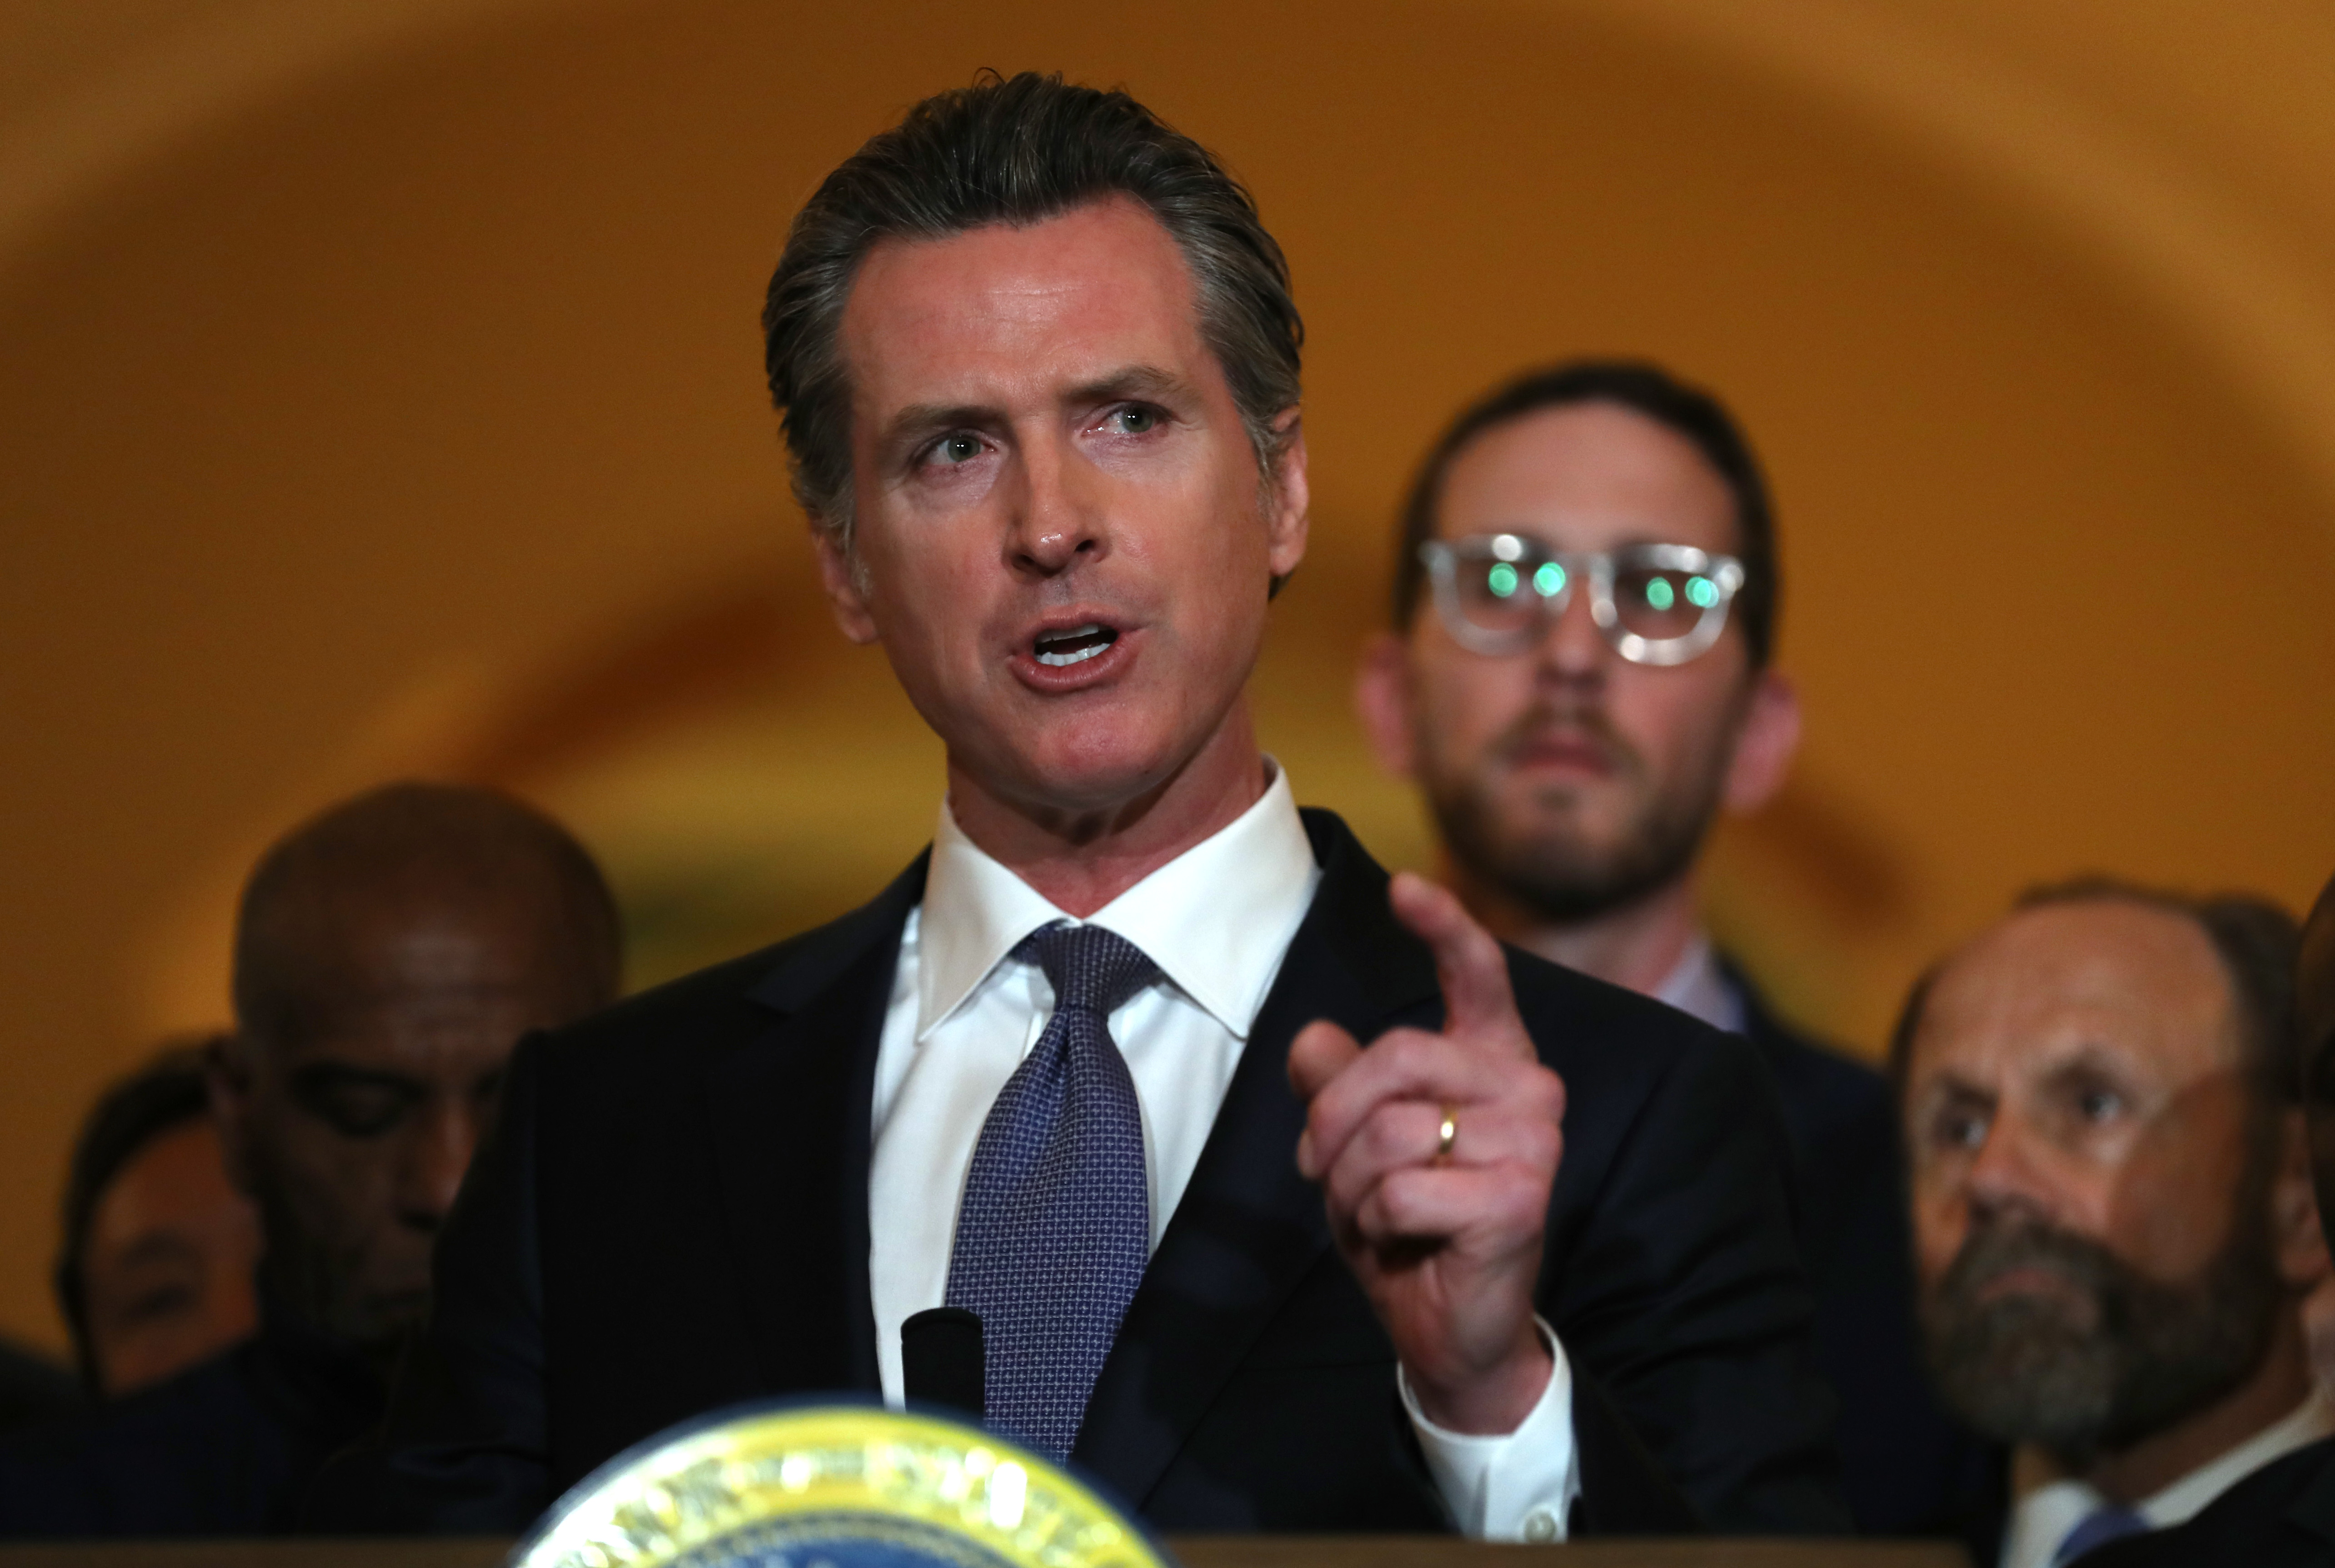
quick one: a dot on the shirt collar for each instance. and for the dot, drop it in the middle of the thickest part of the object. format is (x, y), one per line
(1215, 919)
(1698, 987)
(2312, 1420)
(2042, 1518)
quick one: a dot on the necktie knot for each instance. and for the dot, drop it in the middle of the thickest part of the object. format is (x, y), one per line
(1090, 969)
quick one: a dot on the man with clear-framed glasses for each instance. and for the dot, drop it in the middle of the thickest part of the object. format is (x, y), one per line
(1579, 679)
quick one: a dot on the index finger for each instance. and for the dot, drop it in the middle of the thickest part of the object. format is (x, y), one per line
(1478, 1001)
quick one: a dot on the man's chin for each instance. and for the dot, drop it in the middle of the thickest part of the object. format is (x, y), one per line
(1084, 767)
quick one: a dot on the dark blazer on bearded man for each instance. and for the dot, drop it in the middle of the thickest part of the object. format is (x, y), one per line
(2281, 1516)
(672, 1217)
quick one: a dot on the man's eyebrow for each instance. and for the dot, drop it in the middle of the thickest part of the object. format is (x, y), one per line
(1134, 381)
(921, 419)
(2091, 1059)
(153, 1247)
(336, 1075)
(1952, 1088)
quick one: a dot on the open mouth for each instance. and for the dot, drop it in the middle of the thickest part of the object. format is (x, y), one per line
(1073, 644)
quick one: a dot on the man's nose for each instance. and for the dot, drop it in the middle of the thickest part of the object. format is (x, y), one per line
(2007, 1176)
(436, 1161)
(1571, 649)
(1060, 519)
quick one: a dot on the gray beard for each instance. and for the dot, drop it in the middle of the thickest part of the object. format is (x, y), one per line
(2023, 1369)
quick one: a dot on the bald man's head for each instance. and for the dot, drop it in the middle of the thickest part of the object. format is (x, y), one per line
(349, 903)
(2111, 1216)
(388, 954)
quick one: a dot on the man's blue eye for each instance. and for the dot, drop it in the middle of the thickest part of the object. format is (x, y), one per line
(1135, 421)
(959, 449)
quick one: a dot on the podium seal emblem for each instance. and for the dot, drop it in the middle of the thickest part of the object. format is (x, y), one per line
(832, 1487)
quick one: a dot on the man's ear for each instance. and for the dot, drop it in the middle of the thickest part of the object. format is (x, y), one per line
(1765, 745)
(2302, 1259)
(846, 594)
(226, 1085)
(1287, 497)
(1383, 701)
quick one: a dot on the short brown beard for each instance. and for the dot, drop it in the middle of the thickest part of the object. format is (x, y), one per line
(1551, 869)
(2020, 1368)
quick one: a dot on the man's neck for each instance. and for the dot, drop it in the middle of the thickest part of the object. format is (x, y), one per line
(1636, 945)
(2280, 1384)
(1080, 858)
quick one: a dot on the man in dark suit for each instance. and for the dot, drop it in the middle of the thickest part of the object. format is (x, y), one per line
(2282, 1516)
(1578, 677)
(388, 954)
(1091, 1069)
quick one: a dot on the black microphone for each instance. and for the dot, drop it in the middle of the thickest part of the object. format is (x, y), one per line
(940, 1360)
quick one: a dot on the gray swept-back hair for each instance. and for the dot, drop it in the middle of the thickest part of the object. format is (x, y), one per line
(1018, 150)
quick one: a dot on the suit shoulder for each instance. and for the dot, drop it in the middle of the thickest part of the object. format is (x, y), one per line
(667, 1010)
(1588, 1028)
(2282, 1514)
(1817, 1069)
(713, 1007)
(1838, 1108)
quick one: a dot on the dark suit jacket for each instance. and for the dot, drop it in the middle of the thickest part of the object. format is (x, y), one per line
(673, 1216)
(1908, 1468)
(2281, 1516)
(226, 1449)
(34, 1388)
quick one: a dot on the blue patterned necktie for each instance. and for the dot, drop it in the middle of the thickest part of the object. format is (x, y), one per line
(2103, 1524)
(1055, 1227)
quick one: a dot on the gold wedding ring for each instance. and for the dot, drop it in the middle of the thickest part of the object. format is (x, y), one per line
(1448, 1133)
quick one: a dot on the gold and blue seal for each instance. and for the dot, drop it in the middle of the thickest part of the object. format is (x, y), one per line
(832, 1487)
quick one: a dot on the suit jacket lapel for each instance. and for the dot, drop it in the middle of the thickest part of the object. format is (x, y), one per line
(1249, 1226)
(790, 1121)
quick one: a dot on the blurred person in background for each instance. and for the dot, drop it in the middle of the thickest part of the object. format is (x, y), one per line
(2112, 1207)
(155, 1273)
(1579, 680)
(388, 956)
(2283, 1514)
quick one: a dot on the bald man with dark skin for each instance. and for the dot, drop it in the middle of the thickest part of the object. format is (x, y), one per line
(2284, 1515)
(388, 956)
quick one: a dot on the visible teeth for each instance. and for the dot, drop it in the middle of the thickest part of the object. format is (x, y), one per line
(1060, 648)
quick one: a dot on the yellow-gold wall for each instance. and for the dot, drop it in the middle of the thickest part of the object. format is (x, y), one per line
(380, 393)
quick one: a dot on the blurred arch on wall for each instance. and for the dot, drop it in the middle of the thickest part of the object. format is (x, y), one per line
(381, 396)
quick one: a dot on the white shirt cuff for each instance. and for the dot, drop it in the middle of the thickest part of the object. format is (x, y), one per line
(1519, 1487)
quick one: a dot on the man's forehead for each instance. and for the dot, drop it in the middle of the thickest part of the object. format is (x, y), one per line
(2052, 983)
(1587, 476)
(954, 319)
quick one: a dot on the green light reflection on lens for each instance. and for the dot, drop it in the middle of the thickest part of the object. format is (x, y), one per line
(1659, 593)
(1549, 580)
(1702, 592)
(1501, 579)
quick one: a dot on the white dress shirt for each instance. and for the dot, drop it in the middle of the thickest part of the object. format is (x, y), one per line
(964, 1011)
(1698, 988)
(2041, 1519)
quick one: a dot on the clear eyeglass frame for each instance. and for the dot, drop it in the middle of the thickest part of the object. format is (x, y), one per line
(1449, 561)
